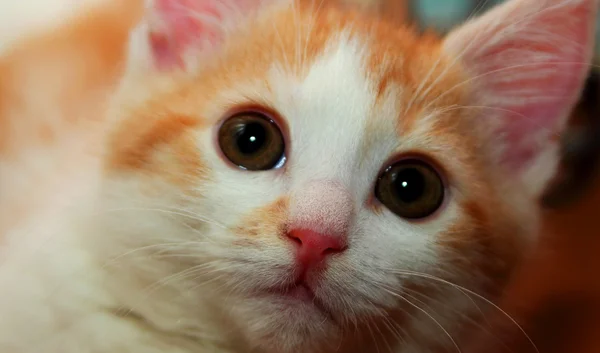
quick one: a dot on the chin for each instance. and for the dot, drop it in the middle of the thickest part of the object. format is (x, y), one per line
(286, 324)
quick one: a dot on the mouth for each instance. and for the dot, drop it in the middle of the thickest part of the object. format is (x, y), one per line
(301, 293)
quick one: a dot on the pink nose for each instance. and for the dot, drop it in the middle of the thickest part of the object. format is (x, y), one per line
(314, 248)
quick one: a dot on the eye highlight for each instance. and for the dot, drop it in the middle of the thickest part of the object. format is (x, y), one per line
(411, 189)
(252, 141)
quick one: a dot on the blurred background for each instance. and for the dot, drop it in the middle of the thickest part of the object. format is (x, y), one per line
(444, 14)
(440, 15)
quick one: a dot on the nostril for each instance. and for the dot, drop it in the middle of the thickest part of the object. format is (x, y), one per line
(317, 243)
(331, 251)
(294, 238)
(313, 248)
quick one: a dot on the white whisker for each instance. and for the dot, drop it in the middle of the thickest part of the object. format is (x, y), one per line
(417, 94)
(466, 290)
(311, 26)
(472, 321)
(491, 72)
(426, 314)
(180, 212)
(373, 336)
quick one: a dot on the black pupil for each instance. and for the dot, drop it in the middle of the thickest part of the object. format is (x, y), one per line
(409, 184)
(251, 138)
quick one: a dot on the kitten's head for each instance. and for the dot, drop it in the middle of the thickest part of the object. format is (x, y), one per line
(294, 169)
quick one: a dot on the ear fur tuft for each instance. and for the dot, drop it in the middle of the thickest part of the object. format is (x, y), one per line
(173, 30)
(528, 59)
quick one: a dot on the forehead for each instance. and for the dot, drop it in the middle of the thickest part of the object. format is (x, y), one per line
(334, 70)
(340, 81)
(331, 106)
(298, 38)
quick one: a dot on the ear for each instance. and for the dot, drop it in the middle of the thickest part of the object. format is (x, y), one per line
(173, 30)
(528, 60)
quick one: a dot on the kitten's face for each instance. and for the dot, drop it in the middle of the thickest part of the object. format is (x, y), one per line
(324, 172)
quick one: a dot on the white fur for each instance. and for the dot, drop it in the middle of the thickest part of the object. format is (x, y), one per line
(19, 19)
(82, 288)
(336, 92)
(165, 272)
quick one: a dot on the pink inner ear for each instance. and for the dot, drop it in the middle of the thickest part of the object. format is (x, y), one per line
(196, 25)
(182, 27)
(554, 86)
(530, 64)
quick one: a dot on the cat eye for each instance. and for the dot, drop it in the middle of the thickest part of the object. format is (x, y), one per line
(252, 141)
(411, 189)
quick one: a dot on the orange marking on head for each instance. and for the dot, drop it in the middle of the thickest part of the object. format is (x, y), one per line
(163, 145)
(268, 221)
(415, 64)
(244, 57)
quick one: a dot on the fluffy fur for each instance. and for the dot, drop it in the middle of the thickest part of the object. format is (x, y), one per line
(170, 249)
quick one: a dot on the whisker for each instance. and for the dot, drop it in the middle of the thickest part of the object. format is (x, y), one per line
(426, 314)
(214, 279)
(372, 336)
(417, 94)
(466, 290)
(160, 246)
(288, 65)
(311, 27)
(495, 71)
(509, 111)
(395, 330)
(181, 274)
(384, 338)
(458, 107)
(298, 30)
(176, 212)
(148, 290)
(472, 321)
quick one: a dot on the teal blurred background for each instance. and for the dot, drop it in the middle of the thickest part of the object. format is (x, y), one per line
(444, 14)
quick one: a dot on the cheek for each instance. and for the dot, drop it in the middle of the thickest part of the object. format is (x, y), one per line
(264, 224)
(479, 246)
(398, 243)
(389, 251)
(255, 240)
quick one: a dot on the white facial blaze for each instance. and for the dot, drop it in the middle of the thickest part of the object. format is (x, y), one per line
(158, 268)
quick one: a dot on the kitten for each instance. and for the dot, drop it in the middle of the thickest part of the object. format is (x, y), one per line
(284, 176)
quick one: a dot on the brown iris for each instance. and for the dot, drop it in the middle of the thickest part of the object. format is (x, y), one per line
(411, 189)
(252, 141)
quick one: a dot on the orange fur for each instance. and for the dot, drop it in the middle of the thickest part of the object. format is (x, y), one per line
(156, 137)
(389, 41)
(53, 84)
(143, 142)
(265, 220)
